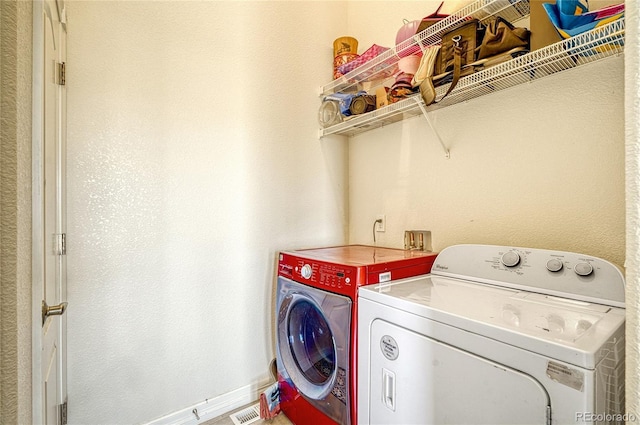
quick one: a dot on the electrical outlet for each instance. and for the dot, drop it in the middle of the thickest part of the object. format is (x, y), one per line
(381, 224)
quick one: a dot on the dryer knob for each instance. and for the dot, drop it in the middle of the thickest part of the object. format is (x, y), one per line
(306, 271)
(510, 259)
(583, 269)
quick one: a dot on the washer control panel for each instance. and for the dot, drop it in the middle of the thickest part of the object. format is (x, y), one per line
(330, 275)
(512, 258)
(558, 273)
(320, 274)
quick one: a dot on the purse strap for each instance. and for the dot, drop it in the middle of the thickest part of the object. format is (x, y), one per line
(457, 66)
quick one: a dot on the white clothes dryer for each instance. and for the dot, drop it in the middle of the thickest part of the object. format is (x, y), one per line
(495, 335)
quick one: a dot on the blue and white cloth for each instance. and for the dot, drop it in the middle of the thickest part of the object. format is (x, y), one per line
(344, 100)
(572, 17)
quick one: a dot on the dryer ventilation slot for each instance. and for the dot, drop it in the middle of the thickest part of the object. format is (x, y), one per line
(246, 416)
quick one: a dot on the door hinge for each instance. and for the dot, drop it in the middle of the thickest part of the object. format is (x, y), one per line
(61, 78)
(61, 244)
(62, 409)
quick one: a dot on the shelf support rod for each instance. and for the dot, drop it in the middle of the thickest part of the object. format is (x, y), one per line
(423, 108)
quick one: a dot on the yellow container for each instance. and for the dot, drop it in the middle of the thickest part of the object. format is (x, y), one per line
(345, 49)
(344, 45)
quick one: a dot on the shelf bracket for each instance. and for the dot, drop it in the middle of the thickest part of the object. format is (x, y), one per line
(423, 108)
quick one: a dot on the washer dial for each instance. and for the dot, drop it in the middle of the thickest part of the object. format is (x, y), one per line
(510, 259)
(554, 265)
(583, 269)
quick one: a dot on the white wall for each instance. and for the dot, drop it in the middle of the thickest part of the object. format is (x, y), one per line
(632, 127)
(192, 159)
(15, 211)
(539, 165)
(378, 22)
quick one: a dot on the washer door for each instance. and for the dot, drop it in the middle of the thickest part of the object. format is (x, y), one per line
(313, 338)
(312, 344)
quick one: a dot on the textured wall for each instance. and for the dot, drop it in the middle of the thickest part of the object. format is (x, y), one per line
(192, 159)
(632, 127)
(15, 212)
(538, 165)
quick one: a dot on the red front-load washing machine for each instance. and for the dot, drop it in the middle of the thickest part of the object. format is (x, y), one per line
(316, 324)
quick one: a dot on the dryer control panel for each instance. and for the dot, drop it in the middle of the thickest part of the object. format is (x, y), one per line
(343, 269)
(557, 273)
(319, 274)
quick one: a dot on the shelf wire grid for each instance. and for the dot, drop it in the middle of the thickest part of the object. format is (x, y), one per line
(394, 112)
(589, 47)
(511, 10)
(385, 64)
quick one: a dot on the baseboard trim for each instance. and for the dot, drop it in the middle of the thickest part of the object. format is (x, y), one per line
(214, 407)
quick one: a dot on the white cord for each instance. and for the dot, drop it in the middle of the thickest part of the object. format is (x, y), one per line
(374, 229)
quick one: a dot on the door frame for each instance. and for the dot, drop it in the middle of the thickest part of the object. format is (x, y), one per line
(39, 239)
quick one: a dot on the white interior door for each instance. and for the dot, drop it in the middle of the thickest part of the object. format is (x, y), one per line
(418, 380)
(49, 218)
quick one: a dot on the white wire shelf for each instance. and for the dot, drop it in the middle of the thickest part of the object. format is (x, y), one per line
(386, 63)
(394, 112)
(583, 49)
(586, 48)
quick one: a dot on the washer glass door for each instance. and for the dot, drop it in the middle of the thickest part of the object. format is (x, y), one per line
(311, 342)
(313, 339)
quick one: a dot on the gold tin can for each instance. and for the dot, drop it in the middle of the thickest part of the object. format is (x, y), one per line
(343, 45)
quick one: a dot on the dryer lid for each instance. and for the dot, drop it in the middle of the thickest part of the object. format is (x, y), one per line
(560, 328)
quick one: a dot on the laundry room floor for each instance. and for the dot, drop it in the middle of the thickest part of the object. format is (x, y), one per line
(225, 419)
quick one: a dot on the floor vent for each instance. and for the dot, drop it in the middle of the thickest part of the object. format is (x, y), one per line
(247, 416)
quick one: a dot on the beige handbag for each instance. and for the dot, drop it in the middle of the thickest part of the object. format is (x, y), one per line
(426, 67)
(457, 50)
(470, 47)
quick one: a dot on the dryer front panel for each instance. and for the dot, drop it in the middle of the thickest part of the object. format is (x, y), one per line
(313, 333)
(418, 380)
